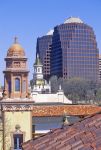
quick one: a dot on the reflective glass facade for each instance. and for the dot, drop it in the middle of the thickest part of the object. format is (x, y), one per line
(100, 67)
(44, 49)
(74, 52)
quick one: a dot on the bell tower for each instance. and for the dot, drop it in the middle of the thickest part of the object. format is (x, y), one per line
(16, 72)
(38, 69)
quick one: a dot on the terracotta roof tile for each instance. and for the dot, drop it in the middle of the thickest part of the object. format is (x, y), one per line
(82, 135)
(59, 110)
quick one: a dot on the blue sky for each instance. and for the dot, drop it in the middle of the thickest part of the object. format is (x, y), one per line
(29, 19)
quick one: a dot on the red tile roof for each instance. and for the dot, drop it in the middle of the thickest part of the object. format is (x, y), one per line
(59, 110)
(82, 135)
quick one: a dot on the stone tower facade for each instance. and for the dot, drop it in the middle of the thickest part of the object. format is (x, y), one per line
(16, 72)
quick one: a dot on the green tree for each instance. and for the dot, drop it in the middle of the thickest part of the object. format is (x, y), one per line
(98, 95)
(76, 88)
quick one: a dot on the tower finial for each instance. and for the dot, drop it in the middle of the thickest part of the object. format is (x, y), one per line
(15, 39)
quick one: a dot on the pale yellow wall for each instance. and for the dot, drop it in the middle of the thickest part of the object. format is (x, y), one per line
(24, 119)
(1, 136)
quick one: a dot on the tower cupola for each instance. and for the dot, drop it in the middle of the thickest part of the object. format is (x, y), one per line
(38, 69)
(16, 72)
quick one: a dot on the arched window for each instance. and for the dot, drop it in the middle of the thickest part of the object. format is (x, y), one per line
(38, 69)
(18, 140)
(17, 84)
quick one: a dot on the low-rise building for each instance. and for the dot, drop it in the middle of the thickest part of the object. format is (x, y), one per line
(41, 89)
(82, 135)
(39, 84)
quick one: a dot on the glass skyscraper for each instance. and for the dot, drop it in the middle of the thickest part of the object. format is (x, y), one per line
(43, 49)
(74, 51)
(100, 67)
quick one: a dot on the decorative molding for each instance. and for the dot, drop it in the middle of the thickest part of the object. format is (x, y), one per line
(17, 107)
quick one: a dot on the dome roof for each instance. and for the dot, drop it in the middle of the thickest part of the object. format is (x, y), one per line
(16, 50)
(73, 20)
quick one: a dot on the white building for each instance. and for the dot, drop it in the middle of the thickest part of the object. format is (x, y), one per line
(41, 94)
(40, 85)
(41, 90)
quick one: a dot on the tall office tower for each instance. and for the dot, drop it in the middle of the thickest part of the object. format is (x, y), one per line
(100, 67)
(74, 50)
(43, 49)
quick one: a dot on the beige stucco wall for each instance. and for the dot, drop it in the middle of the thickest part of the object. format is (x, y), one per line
(24, 119)
(1, 136)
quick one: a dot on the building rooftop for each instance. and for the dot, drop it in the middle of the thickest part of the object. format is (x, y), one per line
(50, 32)
(73, 20)
(43, 110)
(15, 49)
(51, 109)
(82, 135)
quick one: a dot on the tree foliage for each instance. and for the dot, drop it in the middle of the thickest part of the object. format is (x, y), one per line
(77, 89)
